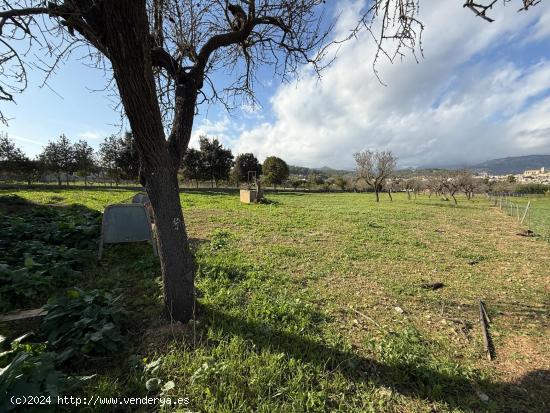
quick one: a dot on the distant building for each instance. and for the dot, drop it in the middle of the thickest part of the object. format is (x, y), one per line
(532, 172)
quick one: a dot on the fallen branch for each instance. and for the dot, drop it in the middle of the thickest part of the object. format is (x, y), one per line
(367, 317)
(23, 315)
(485, 312)
(485, 330)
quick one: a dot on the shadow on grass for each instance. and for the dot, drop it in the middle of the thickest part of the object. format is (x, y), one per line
(529, 394)
(57, 188)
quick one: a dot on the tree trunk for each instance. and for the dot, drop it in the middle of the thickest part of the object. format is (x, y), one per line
(129, 45)
(377, 196)
(389, 193)
(175, 256)
(59, 179)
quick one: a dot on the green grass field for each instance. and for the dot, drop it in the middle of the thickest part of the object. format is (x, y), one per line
(314, 303)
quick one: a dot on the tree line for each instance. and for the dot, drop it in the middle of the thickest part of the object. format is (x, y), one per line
(376, 169)
(117, 160)
(214, 163)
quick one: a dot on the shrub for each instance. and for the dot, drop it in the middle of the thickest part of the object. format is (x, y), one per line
(27, 370)
(532, 189)
(82, 323)
(41, 251)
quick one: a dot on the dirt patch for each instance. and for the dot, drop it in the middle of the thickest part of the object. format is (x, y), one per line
(157, 336)
(520, 355)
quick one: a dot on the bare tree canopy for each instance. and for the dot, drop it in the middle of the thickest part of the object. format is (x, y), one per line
(186, 38)
(375, 167)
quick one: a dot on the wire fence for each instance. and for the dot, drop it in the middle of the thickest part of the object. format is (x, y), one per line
(530, 211)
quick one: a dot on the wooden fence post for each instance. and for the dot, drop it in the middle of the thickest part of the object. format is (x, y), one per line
(525, 213)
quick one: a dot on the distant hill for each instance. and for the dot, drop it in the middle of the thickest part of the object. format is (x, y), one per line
(513, 165)
(325, 171)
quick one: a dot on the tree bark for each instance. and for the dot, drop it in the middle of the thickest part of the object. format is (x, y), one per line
(175, 256)
(129, 46)
(377, 195)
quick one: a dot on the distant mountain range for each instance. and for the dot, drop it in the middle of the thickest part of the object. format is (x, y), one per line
(502, 166)
(513, 165)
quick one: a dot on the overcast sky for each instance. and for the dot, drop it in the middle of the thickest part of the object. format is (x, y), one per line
(482, 91)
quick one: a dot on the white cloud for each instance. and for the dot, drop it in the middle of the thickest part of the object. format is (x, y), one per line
(92, 135)
(220, 129)
(26, 140)
(451, 107)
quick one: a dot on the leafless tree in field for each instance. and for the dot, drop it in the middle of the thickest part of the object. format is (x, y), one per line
(451, 183)
(374, 167)
(468, 183)
(408, 185)
(418, 185)
(160, 56)
(393, 184)
(434, 185)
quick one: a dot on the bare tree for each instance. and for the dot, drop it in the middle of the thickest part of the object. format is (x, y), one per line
(392, 185)
(374, 167)
(450, 183)
(452, 186)
(413, 185)
(468, 183)
(418, 185)
(161, 55)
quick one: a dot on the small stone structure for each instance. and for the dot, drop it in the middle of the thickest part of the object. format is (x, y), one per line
(253, 192)
(249, 196)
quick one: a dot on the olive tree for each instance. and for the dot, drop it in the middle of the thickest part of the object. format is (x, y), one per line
(217, 160)
(275, 171)
(84, 159)
(59, 157)
(13, 161)
(192, 166)
(161, 56)
(9, 153)
(244, 164)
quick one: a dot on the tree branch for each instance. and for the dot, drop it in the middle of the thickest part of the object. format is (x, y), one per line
(163, 59)
(480, 9)
(24, 12)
